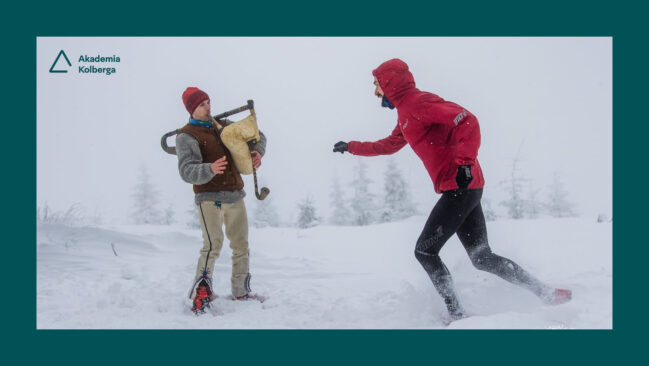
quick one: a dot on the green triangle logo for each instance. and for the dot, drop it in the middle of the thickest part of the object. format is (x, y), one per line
(57, 60)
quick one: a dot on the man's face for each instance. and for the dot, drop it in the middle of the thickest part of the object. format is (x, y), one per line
(202, 112)
(378, 91)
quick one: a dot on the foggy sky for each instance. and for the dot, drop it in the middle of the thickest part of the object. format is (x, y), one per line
(550, 97)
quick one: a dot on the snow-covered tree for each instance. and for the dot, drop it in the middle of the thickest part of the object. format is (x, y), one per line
(558, 204)
(307, 216)
(169, 215)
(73, 216)
(603, 218)
(396, 195)
(532, 207)
(145, 200)
(362, 204)
(340, 214)
(96, 218)
(194, 218)
(487, 209)
(265, 213)
(515, 203)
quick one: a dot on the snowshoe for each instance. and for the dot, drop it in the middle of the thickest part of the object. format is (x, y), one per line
(202, 299)
(249, 297)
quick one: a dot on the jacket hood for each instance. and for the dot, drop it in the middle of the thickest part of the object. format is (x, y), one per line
(395, 79)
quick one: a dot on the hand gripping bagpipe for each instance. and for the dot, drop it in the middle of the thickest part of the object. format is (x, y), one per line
(238, 138)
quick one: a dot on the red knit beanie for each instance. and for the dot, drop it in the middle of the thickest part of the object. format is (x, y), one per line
(192, 97)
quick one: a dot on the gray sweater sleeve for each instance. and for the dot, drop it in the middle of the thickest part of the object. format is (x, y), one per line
(190, 162)
(260, 146)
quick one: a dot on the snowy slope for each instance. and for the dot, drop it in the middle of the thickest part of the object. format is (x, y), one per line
(323, 277)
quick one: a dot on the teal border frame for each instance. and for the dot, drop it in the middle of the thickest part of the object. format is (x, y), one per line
(24, 343)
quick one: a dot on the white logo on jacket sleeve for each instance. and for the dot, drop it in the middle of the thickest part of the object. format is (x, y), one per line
(460, 117)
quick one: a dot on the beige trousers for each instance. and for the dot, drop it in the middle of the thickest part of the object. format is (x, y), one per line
(213, 215)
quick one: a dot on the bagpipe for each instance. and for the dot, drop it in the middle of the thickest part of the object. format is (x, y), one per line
(238, 137)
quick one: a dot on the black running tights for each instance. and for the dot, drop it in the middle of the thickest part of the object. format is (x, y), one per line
(460, 212)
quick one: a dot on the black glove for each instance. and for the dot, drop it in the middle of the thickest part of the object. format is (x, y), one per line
(340, 147)
(463, 177)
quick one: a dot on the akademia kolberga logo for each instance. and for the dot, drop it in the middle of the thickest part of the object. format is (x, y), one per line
(98, 60)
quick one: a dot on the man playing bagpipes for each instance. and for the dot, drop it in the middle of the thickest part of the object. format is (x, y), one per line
(207, 162)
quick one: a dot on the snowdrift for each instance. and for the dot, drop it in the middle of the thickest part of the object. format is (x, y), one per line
(134, 277)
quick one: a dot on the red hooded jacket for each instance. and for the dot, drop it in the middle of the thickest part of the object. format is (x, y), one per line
(443, 134)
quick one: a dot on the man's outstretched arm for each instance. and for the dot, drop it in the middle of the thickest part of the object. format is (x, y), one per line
(386, 146)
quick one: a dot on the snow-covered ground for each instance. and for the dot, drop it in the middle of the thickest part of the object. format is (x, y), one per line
(323, 277)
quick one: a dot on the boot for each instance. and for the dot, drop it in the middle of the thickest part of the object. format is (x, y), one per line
(202, 298)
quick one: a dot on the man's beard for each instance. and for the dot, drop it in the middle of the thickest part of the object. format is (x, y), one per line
(385, 103)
